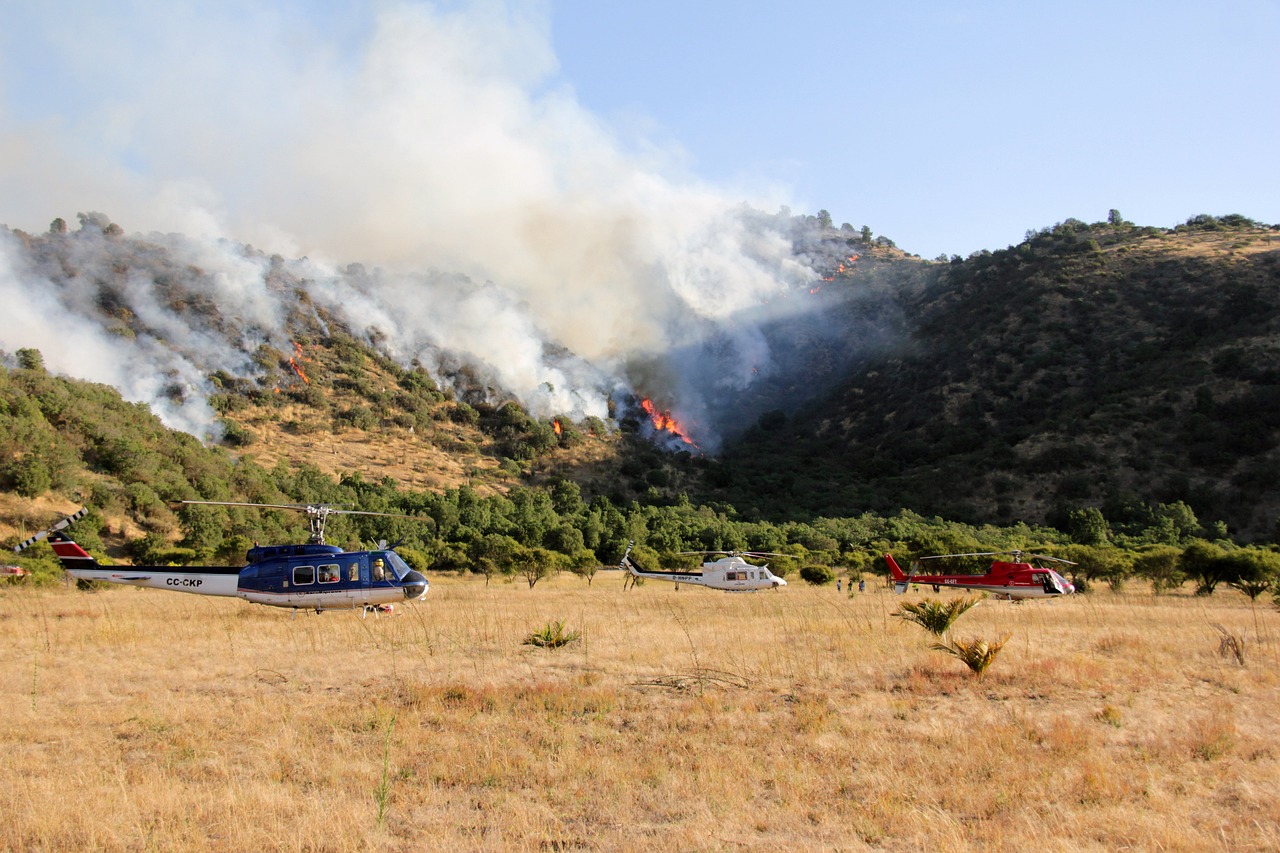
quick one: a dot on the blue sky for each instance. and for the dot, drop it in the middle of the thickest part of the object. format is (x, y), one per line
(952, 126)
(947, 126)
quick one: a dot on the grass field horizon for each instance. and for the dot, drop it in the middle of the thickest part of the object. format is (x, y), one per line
(802, 719)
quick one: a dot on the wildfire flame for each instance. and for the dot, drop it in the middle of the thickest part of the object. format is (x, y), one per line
(297, 357)
(555, 425)
(663, 422)
(845, 267)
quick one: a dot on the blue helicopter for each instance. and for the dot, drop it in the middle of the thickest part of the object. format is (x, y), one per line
(313, 576)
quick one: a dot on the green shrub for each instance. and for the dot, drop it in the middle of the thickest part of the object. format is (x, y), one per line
(817, 575)
(977, 654)
(553, 635)
(934, 616)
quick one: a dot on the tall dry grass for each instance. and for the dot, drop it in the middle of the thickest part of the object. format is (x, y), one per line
(803, 719)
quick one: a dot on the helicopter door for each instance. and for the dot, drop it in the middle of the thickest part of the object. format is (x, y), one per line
(357, 576)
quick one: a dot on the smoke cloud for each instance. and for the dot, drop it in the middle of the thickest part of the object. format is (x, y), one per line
(499, 219)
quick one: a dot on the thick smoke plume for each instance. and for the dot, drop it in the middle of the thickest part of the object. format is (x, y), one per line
(493, 218)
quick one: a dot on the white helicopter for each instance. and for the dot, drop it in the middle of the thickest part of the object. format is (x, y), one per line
(730, 573)
(311, 576)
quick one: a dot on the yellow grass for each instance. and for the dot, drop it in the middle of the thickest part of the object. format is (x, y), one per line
(804, 719)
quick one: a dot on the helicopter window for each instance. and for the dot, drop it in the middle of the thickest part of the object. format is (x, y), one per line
(379, 570)
(398, 565)
(304, 575)
(353, 572)
(329, 573)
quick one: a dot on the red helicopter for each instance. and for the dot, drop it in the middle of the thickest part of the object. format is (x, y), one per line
(1014, 580)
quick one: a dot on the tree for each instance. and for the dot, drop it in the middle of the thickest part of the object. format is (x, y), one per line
(536, 564)
(492, 552)
(1180, 517)
(866, 234)
(1202, 561)
(1253, 571)
(31, 359)
(1159, 564)
(31, 476)
(824, 219)
(584, 564)
(1087, 526)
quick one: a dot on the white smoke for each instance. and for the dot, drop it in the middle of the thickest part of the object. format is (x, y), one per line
(410, 138)
(74, 342)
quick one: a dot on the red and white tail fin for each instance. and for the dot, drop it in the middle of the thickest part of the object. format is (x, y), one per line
(900, 579)
(73, 557)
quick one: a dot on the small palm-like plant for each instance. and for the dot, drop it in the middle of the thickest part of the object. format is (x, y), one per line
(976, 653)
(934, 616)
(552, 635)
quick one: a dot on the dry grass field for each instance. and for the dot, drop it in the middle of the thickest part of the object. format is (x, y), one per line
(691, 720)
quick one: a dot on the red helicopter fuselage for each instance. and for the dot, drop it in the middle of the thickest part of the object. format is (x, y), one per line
(1003, 580)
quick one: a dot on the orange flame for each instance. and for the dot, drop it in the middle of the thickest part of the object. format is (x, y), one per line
(555, 425)
(842, 268)
(663, 422)
(295, 358)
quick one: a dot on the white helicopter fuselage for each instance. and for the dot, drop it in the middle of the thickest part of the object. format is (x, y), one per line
(730, 574)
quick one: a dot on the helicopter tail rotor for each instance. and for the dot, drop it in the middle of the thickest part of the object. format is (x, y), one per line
(61, 525)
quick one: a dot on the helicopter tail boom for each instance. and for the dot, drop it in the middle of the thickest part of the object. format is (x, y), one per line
(202, 580)
(900, 579)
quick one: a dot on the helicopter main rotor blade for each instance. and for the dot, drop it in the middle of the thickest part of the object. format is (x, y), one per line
(1047, 557)
(383, 514)
(975, 554)
(294, 507)
(734, 553)
(314, 509)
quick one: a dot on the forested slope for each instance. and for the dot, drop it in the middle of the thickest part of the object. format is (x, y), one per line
(1091, 365)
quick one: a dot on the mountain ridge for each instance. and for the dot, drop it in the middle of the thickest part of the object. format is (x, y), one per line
(1093, 365)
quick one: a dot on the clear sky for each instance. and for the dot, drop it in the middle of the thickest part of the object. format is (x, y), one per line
(946, 126)
(951, 126)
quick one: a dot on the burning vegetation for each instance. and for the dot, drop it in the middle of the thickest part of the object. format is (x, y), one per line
(663, 421)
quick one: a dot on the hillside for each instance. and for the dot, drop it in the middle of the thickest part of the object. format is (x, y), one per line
(1091, 365)
(1135, 370)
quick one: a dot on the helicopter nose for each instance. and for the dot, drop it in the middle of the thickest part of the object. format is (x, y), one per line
(777, 582)
(414, 585)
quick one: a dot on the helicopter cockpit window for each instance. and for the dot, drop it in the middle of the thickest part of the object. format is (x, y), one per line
(353, 572)
(379, 569)
(399, 568)
(304, 575)
(329, 573)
